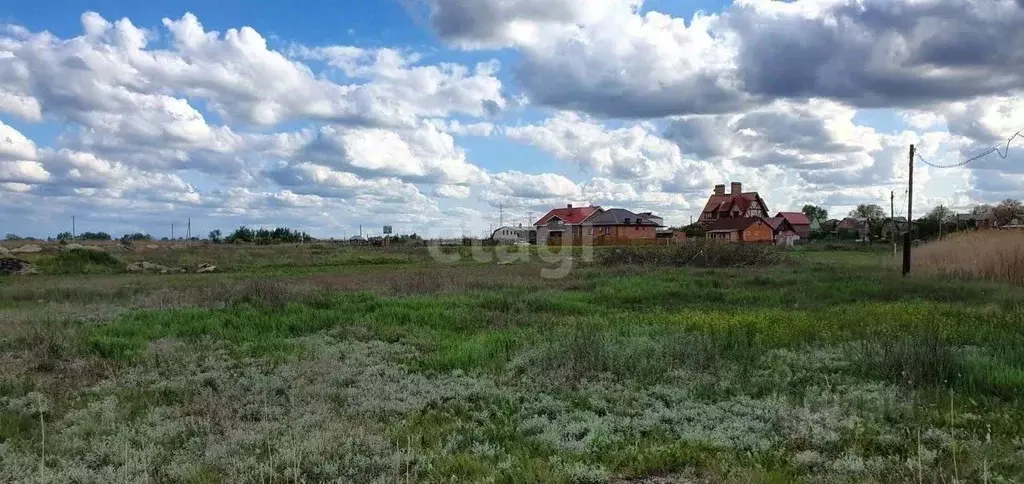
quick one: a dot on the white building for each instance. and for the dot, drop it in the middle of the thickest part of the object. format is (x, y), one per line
(510, 235)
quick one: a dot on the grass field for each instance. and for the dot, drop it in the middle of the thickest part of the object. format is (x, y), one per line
(315, 363)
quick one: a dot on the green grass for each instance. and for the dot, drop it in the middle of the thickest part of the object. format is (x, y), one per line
(824, 368)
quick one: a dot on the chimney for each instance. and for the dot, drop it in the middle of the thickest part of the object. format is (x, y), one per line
(719, 189)
(569, 206)
(737, 188)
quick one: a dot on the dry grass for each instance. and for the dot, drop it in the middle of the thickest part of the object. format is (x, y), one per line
(992, 255)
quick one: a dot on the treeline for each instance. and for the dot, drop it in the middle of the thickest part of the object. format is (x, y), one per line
(241, 235)
(246, 235)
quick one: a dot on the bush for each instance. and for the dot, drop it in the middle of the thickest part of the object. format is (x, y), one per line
(278, 235)
(699, 253)
(85, 261)
(94, 236)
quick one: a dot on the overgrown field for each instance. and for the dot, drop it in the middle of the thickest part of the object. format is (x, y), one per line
(319, 363)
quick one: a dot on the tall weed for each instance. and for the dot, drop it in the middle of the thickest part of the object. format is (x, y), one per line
(993, 255)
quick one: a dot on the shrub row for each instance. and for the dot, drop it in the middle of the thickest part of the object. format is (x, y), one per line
(698, 253)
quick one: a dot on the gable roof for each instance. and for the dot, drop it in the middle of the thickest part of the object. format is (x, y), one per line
(780, 223)
(853, 223)
(619, 216)
(571, 216)
(795, 218)
(729, 224)
(726, 202)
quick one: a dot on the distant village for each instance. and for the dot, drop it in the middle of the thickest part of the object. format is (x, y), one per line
(733, 215)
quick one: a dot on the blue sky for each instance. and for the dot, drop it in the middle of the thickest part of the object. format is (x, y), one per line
(366, 113)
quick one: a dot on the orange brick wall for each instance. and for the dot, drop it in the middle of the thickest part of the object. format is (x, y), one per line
(626, 232)
(758, 232)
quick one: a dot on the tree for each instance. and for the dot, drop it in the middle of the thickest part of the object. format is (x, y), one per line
(12, 237)
(815, 212)
(216, 236)
(982, 209)
(94, 236)
(871, 212)
(65, 236)
(1007, 211)
(137, 237)
(939, 214)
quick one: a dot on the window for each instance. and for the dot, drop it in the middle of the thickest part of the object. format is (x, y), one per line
(627, 220)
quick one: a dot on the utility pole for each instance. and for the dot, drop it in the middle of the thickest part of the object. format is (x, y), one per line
(74, 234)
(501, 215)
(172, 231)
(188, 231)
(910, 216)
(892, 220)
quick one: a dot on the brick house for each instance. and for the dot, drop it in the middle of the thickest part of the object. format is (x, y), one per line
(785, 233)
(619, 223)
(741, 229)
(735, 204)
(563, 222)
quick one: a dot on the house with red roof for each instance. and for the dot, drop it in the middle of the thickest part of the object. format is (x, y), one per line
(735, 204)
(564, 222)
(801, 224)
(741, 229)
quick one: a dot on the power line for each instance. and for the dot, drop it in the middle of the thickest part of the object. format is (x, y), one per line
(1002, 153)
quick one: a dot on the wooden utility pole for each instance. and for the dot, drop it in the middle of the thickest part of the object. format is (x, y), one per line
(910, 215)
(892, 220)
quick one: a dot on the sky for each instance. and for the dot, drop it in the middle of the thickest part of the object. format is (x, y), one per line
(448, 117)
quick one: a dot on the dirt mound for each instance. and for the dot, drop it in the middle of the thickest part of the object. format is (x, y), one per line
(26, 249)
(82, 247)
(16, 267)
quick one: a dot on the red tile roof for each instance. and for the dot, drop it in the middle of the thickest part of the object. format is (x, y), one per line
(574, 215)
(719, 203)
(795, 218)
(734, 223)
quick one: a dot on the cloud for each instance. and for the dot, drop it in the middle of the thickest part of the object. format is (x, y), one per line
(452, 191)
(878, 52)
(517, 188)
(631, 152)
(14, 145)
(423, 154)
(111, 69)
(618, 61)
(489, 24)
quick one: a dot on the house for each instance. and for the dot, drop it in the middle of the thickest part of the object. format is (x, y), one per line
(653, 218)
(975, 221)
(741, 229)
(854, 227)
(895, 227)
(619, 223)
(563, 222)
(670, 235)
(511, 235)
(830, 225)
(785, 233)
(801, 224)
(734, 204)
